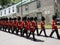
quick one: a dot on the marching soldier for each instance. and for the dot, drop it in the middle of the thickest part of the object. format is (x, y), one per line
(25, 27)
(5, 24)
(15, 25)
(42, 24)
(9, 24)
(32, 28)
(0, 23)
(36, 25)
(54, 27)
(19, 26)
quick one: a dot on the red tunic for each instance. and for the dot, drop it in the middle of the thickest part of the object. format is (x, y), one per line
(27, 25)
(15, 25)
(10, 23)
(32, 24)
(36, 25)
(42, 25)
(3, 23)
(54, 25)
(7, 23)
(20, 24)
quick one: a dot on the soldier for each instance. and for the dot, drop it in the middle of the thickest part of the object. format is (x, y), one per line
(32, 28)
(28, 23)
(0, 23)
(21, 25)
(54, 26)
(14, 25)
(25, 27)
(36, 25)
(9, 24)
(5, 26)
(42, 25)
(3, 23)
(18, 25)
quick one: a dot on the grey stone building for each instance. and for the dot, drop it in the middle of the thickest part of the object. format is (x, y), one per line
(33, 8)
(47, 8)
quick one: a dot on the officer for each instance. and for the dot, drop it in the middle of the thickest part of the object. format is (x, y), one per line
(42, 24)
(54, 26)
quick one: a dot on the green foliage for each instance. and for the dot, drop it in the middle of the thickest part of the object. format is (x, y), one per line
(4, 2)
(15, 1)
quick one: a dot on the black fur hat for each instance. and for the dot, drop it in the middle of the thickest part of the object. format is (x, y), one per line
(35, 18)
(31, 18)
(54, 17)
(25, 18)
(28, 18)
(42, 18)
(9, 18)
(15, 18)
(6, 18)
(19, 18)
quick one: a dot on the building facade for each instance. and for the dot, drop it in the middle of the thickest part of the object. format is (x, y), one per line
(38, 8)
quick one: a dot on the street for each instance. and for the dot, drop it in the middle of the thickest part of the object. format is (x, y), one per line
(12, 39)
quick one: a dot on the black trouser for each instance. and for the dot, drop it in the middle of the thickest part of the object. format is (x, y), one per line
(44, 31)
(32, 34)
(0, 27)
(56, 33)
(14, 29)
(9, 28)
(17, 30)
(5, 27)
(25, 31)
(21, 31)
(36, 30)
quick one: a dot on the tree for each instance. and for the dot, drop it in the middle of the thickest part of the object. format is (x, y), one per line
(4, 2)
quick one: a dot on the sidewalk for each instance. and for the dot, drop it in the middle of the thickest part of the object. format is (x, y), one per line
(11, 39)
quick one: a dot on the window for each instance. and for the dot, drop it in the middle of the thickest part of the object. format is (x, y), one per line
(55, 1)
(38, 4)
(39, 14)
(18, 9)
(26, 7)
(1, 13)
(4, 11)
(9, 10)
(13, 9)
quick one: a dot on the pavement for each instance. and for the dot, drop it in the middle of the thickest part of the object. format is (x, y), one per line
(12, 39)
